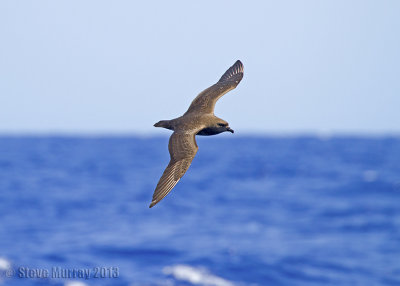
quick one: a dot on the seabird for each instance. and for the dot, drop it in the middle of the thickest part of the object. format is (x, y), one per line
(199, 119)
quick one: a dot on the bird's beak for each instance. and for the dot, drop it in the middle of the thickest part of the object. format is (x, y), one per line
(230, 130)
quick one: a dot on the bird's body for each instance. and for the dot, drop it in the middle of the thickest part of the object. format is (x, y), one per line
(206, 123)
(199, 119)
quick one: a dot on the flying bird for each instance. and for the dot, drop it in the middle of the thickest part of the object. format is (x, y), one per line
(199, 119)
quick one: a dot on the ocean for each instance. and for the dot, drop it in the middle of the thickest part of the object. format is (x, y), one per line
(252, 210)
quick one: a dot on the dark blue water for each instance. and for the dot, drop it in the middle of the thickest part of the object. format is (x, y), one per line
(250, 211)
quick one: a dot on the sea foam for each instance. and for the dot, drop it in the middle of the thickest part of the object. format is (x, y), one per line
(196, 276)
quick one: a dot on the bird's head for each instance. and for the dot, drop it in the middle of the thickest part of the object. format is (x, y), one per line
(224, 126)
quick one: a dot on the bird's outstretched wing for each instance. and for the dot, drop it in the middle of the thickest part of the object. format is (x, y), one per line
(182, 149)
(205, 101)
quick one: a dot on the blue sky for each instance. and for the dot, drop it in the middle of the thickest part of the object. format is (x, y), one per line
(120, 66)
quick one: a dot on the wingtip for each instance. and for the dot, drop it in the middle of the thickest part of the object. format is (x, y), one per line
(239, 65)
(238, 62)
(235, 71)
(153, 203)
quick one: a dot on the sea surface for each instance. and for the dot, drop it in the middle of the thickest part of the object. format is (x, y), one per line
(250, 211)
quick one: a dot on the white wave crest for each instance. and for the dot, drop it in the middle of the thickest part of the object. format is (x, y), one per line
(196, 276)
(4, 264)
(75, 283)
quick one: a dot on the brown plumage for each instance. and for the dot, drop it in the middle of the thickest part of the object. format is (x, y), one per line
(199, 119)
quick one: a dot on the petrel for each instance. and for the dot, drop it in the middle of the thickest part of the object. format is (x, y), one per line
(199, 119)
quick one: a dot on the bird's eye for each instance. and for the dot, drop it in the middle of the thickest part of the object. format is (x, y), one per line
(222, 124)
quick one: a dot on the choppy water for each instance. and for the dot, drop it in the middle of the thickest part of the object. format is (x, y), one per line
(250, 211)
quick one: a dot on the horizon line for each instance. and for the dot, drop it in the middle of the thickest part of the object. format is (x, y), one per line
(94, 134)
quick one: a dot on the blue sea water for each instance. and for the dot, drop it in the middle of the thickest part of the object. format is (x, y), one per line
(250, 211)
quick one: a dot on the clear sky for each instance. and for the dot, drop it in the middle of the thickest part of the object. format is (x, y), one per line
(120, 66)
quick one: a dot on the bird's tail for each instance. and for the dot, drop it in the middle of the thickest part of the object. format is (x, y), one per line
(164, 123)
